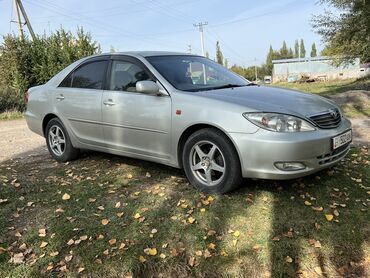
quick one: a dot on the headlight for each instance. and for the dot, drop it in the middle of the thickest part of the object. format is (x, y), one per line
(278, 122)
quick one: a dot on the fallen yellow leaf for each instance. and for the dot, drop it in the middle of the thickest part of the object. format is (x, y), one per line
(236, 234)
(212, 246)
(288, 259)
(162, 256)
(202, 210)
(112, 241)
(43, 244)
(42, 232)
(142, 259)
(66, 197)
(54, 254)
(137, 215)
(105, 222)
(307, 203)
(318, 208)
(50, 267)
(210, 199)
(152, 251)
(191, 220)
(329, 217)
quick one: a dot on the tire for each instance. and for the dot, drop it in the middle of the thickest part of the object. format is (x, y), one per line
(211, 162)
(56, 134)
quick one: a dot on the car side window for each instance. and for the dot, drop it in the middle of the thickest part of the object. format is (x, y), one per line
(124, 76)
(87, 76)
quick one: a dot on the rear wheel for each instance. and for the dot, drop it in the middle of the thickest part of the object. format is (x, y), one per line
(211, 162)
(58, 142)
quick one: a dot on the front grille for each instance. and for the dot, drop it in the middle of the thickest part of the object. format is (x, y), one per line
(334, 155)
(328, 119)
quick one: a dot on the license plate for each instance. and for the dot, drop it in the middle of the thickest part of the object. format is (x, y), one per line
(342, 139)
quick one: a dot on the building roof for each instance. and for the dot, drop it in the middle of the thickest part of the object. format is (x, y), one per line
(306, 59)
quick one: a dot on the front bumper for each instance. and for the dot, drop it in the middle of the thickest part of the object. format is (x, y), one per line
(259, 151)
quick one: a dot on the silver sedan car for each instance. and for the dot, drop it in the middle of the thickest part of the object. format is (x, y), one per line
(188, 112)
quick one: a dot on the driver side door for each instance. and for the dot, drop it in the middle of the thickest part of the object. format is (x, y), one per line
(136, 124)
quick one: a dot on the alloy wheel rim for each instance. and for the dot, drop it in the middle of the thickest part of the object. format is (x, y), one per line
(207, 163)
(57, 141)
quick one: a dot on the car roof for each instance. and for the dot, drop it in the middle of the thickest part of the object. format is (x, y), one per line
(150, 53)
(142, 53)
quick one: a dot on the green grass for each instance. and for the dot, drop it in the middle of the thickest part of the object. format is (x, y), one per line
(353, 104)
(11, 115)
(259, 212)
(328, 88)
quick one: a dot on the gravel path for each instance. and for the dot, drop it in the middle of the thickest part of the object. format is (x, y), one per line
(17, 141)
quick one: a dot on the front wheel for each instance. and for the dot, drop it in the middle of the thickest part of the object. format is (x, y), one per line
(211, 162)
(58, 142)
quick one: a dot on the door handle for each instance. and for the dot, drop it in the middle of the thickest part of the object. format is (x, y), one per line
(60, 97)
(109, 102)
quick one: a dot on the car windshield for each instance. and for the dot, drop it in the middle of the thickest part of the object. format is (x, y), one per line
(195, 73)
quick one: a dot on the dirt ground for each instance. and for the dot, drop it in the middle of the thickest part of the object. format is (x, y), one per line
(17, 141)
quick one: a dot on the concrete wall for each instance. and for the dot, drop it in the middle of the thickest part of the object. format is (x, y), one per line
(319, 67)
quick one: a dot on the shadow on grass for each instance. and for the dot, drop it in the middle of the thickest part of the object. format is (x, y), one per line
(260, 210)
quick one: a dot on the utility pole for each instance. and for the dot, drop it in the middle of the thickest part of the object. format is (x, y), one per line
(200, 28)
(18, 19)
(255, 68)
(19, 6)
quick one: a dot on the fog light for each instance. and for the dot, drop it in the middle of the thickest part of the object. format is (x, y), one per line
(290, 166)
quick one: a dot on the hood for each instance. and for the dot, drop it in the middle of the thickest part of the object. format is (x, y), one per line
(272, 99)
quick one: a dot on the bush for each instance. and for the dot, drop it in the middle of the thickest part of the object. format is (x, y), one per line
(25, 63)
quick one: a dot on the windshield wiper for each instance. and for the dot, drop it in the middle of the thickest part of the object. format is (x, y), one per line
(227, 86)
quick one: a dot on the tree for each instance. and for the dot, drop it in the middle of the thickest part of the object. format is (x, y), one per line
(226, 63)
(296, 49)
(284, 52)
(207, 54)
(347, 32)
(219, 55)
(25, 63)
(290, 53)
(269, 58)
(313, 50)
(302, 49)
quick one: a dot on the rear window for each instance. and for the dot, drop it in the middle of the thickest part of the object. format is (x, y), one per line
(88, 76)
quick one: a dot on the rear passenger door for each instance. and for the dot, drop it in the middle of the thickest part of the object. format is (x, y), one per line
(78, 100)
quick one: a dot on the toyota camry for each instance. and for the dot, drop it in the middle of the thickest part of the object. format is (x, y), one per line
(189, 112)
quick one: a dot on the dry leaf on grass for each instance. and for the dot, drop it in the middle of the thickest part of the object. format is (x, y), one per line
(288, 259)
(66, 196)
(105, 222)
(43, 244)
(42, 232)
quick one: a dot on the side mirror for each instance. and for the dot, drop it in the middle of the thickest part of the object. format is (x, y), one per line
(147, 87)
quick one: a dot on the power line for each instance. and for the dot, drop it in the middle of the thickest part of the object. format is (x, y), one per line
(99, 24)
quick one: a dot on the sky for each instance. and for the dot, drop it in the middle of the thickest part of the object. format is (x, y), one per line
(244, 28)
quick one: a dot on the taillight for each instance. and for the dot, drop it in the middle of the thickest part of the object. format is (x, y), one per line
(26, 95)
